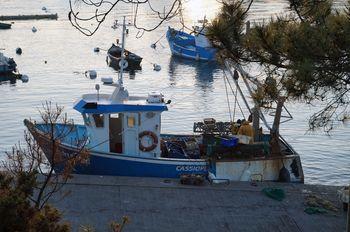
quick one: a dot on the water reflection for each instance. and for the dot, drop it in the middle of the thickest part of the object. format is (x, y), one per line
(203, 72)
(195, 10)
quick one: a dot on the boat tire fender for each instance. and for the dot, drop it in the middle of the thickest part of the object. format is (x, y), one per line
(152, 146)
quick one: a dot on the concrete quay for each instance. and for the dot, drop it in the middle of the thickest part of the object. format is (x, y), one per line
(153, 204)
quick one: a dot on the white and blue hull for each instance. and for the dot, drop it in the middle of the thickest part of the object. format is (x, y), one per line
(186, 47)
(113, 164)
(120, 165)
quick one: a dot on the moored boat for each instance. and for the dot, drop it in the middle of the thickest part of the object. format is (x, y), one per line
(5, 25)
(196, 47)
(7, 65)
(131, 60)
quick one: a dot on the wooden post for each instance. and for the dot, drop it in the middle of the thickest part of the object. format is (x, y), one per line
(274, 142)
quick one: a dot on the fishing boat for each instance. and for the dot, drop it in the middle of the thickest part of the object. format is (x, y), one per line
(123, 136)
(7, 65)
(131, 60)
(196, 46)
(5, 25)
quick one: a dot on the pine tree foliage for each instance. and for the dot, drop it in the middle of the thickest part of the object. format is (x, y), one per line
(304, 54)
(28, 179)
(17, 212)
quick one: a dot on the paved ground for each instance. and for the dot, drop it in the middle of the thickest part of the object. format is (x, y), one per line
(161, 205)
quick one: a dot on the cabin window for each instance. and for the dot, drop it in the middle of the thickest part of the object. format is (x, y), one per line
(131, 121)
(98, 119)
(86, 120)
(114, 116)
(150, 115)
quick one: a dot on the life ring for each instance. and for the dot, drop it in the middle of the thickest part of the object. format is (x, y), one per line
(154, 143)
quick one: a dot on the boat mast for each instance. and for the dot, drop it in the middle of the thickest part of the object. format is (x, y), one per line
(120, 93)
(121, 63)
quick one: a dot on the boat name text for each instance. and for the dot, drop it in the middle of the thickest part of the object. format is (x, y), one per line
(190, 168)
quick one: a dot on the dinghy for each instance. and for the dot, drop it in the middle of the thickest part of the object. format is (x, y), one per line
(5, 25)
(131, 60)
(7, 65)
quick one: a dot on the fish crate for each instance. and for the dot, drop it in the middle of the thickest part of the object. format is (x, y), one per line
(210, 126)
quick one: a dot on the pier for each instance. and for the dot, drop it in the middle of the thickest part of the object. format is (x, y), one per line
(28, 17)
(153, 204)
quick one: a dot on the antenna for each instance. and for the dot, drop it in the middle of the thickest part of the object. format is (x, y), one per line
(97, 87)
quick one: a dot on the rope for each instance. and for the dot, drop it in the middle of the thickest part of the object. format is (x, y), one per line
(239, 105)
(234, 108)
(160, 38)
(228, 100)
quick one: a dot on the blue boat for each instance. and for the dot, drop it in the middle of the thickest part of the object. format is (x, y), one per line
(122, 134)
(196, 47)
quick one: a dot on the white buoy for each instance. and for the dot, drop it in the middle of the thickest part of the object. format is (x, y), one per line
(156, 67)
(123, 64)
(91, 73)
(24, 78)
(107, 80)
(34, 29)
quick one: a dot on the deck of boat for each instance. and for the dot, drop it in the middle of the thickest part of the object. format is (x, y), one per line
(165, 205)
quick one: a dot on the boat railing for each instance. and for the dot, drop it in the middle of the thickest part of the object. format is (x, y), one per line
(93, 96)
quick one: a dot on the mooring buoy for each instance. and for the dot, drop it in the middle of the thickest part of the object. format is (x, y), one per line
(18, 51)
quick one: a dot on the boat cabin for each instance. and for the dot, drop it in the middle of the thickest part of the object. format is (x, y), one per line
(123, 124)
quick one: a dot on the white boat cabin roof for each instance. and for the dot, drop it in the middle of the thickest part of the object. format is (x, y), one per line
(102, 104)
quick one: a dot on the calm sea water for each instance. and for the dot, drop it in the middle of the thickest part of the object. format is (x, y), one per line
(196, 90)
